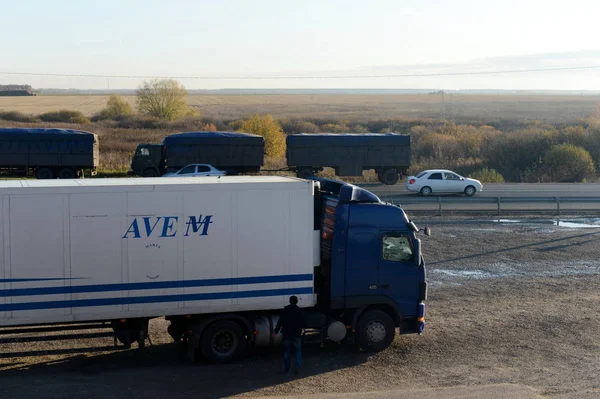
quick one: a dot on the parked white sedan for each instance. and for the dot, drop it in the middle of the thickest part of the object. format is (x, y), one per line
(195, 170)
(435, 181)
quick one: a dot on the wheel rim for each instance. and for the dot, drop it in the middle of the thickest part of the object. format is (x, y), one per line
(470, 191)
(224, 343)
(44, 174)
(426, 191)
(66, 174)
(375, 332)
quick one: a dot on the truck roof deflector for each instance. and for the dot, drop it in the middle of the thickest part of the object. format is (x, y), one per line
(345, 192)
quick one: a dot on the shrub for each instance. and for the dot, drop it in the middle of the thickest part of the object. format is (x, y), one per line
(334, 128)
(514, 154)
(141, 122)
(299, 126)
(16, 116)
(116, 107)
(486, 175)
(64, 116)
(270, 130)
(568, 163)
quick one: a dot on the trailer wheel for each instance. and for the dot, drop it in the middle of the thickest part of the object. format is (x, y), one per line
(44, 173)
(304, 172)
(149, 173)
(223, 342)
(375, 331)
(389, 177)
(66, 173)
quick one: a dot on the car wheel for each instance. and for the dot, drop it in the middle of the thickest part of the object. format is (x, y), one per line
(470, 191)
(426, 191)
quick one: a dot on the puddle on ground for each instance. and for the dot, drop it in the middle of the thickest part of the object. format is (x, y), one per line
(587, 223)
(498, 270)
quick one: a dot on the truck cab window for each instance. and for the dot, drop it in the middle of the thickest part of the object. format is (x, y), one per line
(144, 152)
(396, 247)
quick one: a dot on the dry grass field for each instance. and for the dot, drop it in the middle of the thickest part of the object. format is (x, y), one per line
(459, 108)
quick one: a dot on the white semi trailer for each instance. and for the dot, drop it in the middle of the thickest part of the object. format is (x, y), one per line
(218, 257)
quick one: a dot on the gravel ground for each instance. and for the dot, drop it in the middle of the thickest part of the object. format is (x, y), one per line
(508, 303)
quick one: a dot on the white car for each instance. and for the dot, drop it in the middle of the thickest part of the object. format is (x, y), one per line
(195, 170)
(442, 181)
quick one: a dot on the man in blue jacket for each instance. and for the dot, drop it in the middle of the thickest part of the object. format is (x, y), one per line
(291, 323)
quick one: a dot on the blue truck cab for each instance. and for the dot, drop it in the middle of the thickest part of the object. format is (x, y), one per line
(370, 281)
(372, 272)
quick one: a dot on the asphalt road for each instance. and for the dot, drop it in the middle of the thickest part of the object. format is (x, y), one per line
(503, 190)
(538, 198)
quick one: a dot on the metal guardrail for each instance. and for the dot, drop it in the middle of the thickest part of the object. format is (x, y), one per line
(506, 204)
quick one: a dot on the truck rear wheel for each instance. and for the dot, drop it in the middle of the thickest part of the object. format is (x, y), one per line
(223, 342)
(44, 173)
(375, 331)
(67, 173)
(304, 172)
(389, 177)
(149, 173)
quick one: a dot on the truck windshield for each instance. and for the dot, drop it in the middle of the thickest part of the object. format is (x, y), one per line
(143, 152)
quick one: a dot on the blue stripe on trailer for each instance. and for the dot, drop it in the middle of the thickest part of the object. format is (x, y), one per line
(82, 303)
(152, 285)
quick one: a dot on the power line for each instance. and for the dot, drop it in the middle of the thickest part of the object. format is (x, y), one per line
(411, 75)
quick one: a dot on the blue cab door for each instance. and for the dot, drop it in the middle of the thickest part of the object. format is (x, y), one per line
(399, 274)
(362, 277)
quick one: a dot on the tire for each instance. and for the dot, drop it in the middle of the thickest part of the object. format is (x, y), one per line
(304, 173)
(44, 173)
(149, 173)
(223, 342)
(389, 177)
(470, 191)
(425, 191)
(67, 173)
(375, 331)
(231, 172)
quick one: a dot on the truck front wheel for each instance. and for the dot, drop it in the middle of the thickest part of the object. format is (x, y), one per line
(223, 342)
(375, 331)
(149, 173)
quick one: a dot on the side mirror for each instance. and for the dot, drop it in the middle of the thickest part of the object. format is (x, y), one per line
(427, 231)
(417, 246)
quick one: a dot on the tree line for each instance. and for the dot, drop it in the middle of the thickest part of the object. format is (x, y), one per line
(535, 152)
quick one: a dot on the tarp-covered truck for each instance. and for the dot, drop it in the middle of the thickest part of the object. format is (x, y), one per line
(48, 153)
(229, 151)
(218, 257)
(350, 154)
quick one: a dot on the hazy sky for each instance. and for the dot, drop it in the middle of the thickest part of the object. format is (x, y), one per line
(308, 37)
